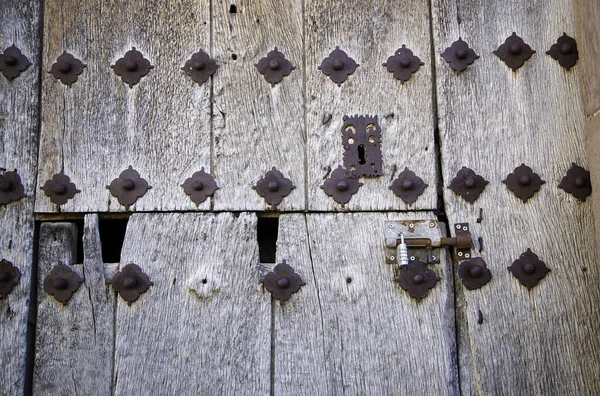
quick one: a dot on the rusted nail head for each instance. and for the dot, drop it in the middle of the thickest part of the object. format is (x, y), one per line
(199, 64)
(10, 60)
(60, 189)
(470, 182)
(129, 282)
(515, 49)
(566, 48)
(342, 185)
(579, 182)
(273, 185)
(476, 271)
(525, 180)
(529, 268)
(128, 184)
(274, 64)
(284, 283)
(60, 283)
(462, 53)
(65, 67)
(337, 64)
(5, 185)
(418, 279)
(131, 65)
(405, 61)
(197, 185)
(408, 184)
(4, 276)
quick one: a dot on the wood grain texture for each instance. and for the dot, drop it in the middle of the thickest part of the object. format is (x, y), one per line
(491, 119)
(256, 126)
(205, 325)
(19, 119)
(98, 127)
(586, 15)
(370, 33)
(593, 151)
(74, 343)
(351, 329)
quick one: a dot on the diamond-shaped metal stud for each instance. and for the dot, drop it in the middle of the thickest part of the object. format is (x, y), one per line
(62, 282)
(67, 68)
(200, 186)
(11, 188)
(130, 283)
(60, 188)
(274, 67)
(577, 182)
(273, 187)
(408, 186)
(523, 182)
(529, 269)
(459, 55)
(128, 187)
(564, 51)
(474, 273)
(9, 277)
(338, 66)
(132, 67)
(200, 67)
(341, 185)
(417, 279)
(514, 52)
(468, 184)
(282, 282)
(403, 64)
(13, 62)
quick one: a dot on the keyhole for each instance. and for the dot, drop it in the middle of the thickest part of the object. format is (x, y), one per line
(362, 155)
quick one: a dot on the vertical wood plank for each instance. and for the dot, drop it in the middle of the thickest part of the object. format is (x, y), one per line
(351, 329)
(256, 126)
(19, 120)
(370, 33)
(204, 327)
(492, 119)
(74, 342)
(98, 127)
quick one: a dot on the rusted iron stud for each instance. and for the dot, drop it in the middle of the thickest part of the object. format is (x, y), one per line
(130, 282)
(468, 184)
(459, 55)
(274, 67)
(341, 185)
(514, 52)
(132, 67)
(273, 187)
(338, 66)
(403, 64)
(61, 283)
(361, 138)
(128, 187)
(529, 269)
(564, 51)
(408, 186)
(200, 67)
(67, 68)
(577, 182)
(417, 279)
(13, 62)
(474, 273)
(9, 277)
(11, 188)
(523, 182)
(60, 188)
(200, 186)
(282, 282)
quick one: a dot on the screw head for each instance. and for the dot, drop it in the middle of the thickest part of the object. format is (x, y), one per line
(411, 225)
(460, 254)
(467, 255)
(274, 64)
(458, 227)
(128, 184)
(284, 283)
(197, 185)
(432, 225)
(5, 185)
(273, 185)
(60, 283)
(418, 279)
(342, 185)
(392, 258)
(131, 65)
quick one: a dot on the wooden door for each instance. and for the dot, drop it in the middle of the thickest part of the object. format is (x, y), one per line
(206, 324)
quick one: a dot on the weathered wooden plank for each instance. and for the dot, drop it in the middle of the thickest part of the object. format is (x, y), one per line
(405, 111)
(98, 127)
(586, 15)
(492, 119)
(74, 342)
(256, 126)
(205, 326)
(19, 21)
(351, 329)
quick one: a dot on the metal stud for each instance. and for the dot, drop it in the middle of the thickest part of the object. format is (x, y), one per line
(417, 279)
(130, 282)
(60, 188)
(282, 282)
(338, 66)
(341, 185)
(459, 55)
(403, 64)
(200, 186)
(529, 269)
(474, 273)
(200, 67)
(273, 187)
(13, 62)
(9, 277)
(128, 187)
(274, 67)
(523, 182)
(468, 184)
(564, 51)
(67, 68)
(408, 186)
(577, 182)
(514, 52)
(11, 188)
(62, 282)
(132, 67)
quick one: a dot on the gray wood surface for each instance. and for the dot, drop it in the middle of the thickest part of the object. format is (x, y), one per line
(370, 33)
(98, 127)
(18, 150)
(544, 341)
(74, 342)
(205, 325)
(256, 126)
(366, 337)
